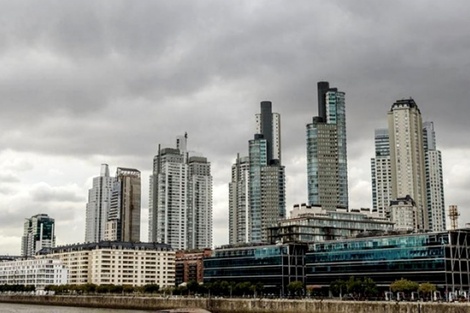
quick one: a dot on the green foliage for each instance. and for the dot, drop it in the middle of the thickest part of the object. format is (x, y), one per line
(17, 288)
(193, 287)
(404, 285)
(151, 288)
(295, 288)
(427, 288)
(359, 289)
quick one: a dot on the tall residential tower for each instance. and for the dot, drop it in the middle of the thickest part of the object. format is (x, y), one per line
(407, 157)
(99, 197)
(327, 168)
(257, 190)
(124, 212)
(434, 180)
(381, 174)
(180, 202)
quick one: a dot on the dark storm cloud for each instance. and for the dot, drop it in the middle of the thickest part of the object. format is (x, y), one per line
(108, 81)
(93, 63)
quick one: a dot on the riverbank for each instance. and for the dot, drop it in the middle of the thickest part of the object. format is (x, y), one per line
(239, 305)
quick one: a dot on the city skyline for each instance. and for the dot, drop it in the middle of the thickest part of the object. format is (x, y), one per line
(86, 84)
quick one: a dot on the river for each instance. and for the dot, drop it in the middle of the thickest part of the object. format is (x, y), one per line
(30, 308)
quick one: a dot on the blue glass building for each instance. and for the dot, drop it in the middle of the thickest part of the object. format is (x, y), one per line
(275, 266)
(439, 258)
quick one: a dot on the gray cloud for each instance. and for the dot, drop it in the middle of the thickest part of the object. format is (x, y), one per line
(44, 193)
(106, 81)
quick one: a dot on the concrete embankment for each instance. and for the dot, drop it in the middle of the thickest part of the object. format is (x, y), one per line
(240, 305)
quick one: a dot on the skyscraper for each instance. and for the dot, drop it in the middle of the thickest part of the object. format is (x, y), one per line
(434, 180)
(381, 174)
(180, 206)
(38, 233)
(99, 197)
(327, 169)
(239, 202)
(257, 188)
(124, 213)
(407, 157)
(200, 203)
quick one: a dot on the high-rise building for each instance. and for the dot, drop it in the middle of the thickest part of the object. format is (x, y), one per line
(257, 188)
(124, 213)
(200, 203)
(38, 233)
(239, 202)
(327, 168)
(434, 180)
(180, 205)
(407, 157)
(381, 174)
(99, 197)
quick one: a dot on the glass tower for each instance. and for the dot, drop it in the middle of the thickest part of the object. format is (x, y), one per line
(327, 168)
(39, 232)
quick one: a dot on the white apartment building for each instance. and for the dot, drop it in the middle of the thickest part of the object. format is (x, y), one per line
(407, 157)
(403, 213)
(381, 174)
(97, 208)
(180, 198)
(118, 263)
(38, 272)
(239, 201)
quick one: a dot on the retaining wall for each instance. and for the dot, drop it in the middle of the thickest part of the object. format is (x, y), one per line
(241, 305)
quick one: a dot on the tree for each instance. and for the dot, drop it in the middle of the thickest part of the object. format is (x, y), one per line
(338, 287)
(427, 289)
(295, 288)
(257, 289)
(193, 286)
(369, 288)
(404, 285)
(151, 288)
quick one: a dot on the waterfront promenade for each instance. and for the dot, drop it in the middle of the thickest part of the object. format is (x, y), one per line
(240, 305)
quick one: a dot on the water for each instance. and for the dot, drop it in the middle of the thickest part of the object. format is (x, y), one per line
(27, 308)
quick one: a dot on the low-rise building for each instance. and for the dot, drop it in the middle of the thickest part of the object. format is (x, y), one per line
(190, 265)
(118, 263)
(315, 224)
(275, 266)
(440, 258)
(37, 272)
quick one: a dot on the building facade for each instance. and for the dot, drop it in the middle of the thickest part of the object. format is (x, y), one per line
(381, 174)
(440, 258)
(99, 198)
(407, 157)
(118, 263)
(434, 180)
(190, 266)
(180, 205)
(266, 183)
(124, 213)
(315, 224)
(38, 233)
(39, 272)
(239, 202)
(275, 266)
(327, 169)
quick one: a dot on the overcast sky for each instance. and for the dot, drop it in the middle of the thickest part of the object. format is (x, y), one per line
(90, 82)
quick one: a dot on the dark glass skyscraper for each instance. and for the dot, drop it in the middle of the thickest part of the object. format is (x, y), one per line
(327, 167)
(257, 189)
